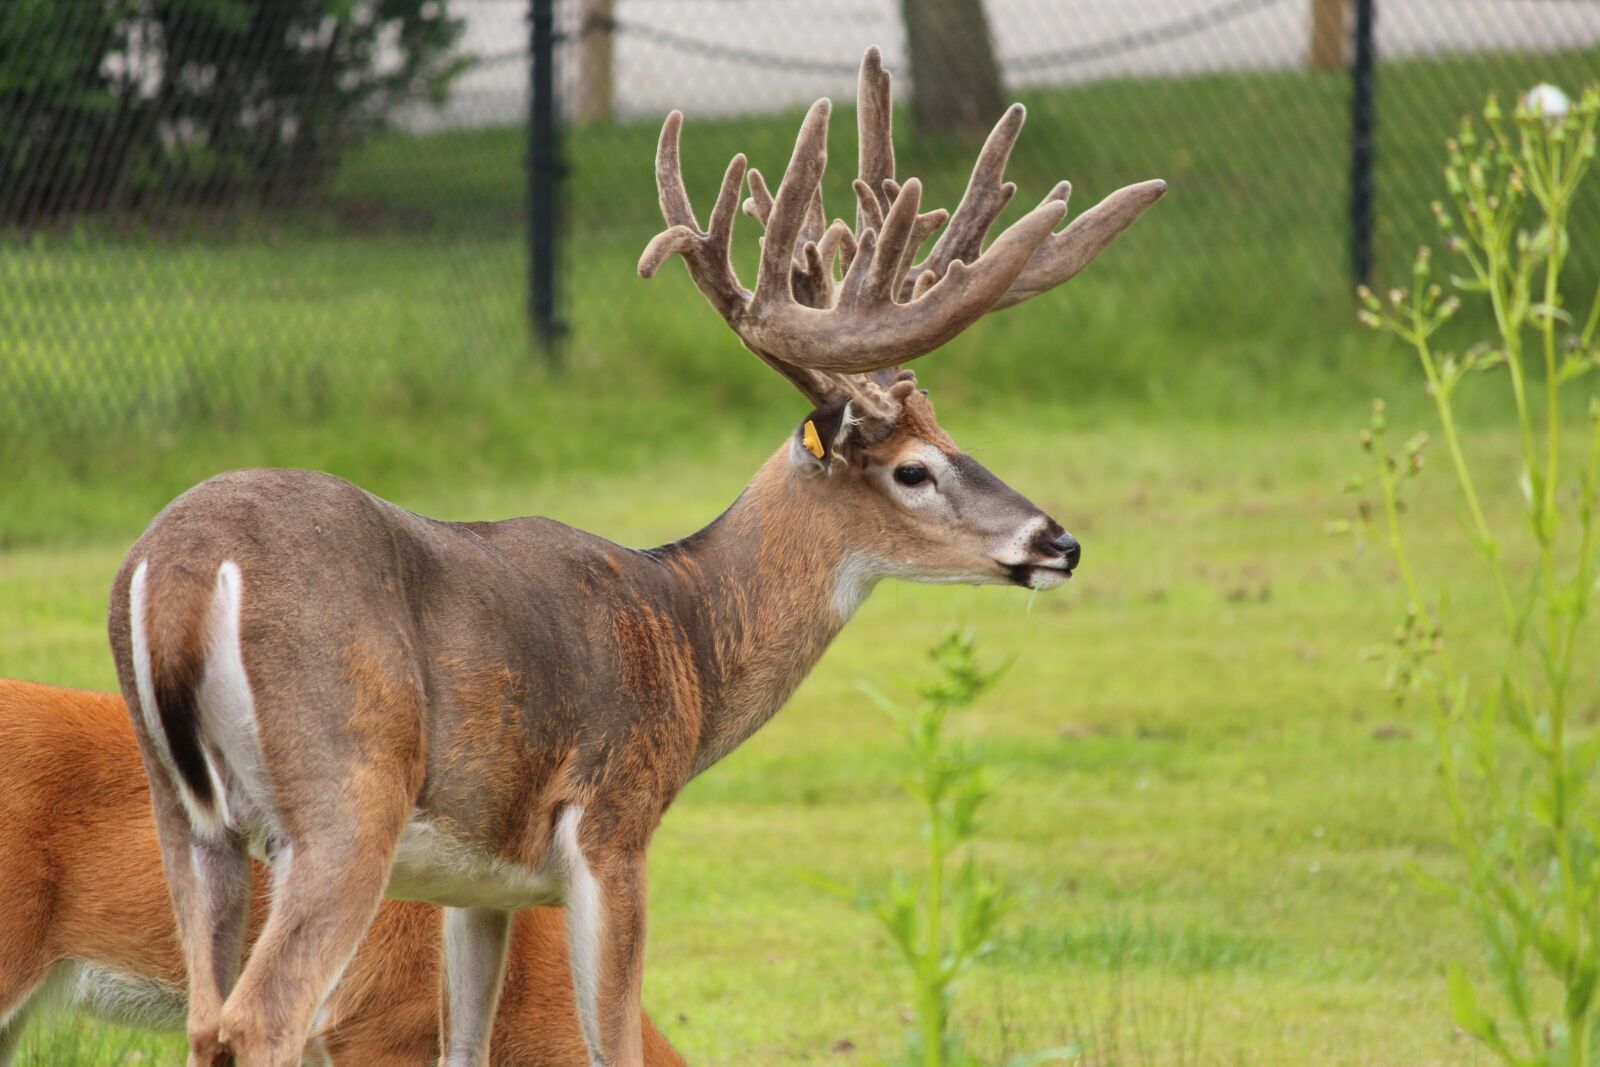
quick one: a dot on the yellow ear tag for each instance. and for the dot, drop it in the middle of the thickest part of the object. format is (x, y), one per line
(810, 439)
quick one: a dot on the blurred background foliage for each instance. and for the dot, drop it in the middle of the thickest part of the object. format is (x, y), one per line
(305, 215)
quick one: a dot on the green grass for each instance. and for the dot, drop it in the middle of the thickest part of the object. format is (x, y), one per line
(1208, 799)
(1210, 806)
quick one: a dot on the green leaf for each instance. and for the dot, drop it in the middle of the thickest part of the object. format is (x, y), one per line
(1464, 1007)
(1580, 992)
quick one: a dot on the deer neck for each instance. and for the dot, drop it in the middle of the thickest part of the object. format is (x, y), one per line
(765, 588)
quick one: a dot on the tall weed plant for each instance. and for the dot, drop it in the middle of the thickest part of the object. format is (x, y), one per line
(942, 916)
(1519, 769)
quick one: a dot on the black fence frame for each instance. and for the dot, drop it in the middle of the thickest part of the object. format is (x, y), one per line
(546, 168)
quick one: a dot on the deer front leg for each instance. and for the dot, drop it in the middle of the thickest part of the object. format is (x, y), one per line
(475, 942)
(605, 905)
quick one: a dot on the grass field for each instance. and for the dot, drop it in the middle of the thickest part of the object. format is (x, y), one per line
(1210, 806)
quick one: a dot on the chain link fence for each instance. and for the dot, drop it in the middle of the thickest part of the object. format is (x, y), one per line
(211, 207)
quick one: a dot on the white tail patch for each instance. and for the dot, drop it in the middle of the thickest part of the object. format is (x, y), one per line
(230, 740)
(201, 817)
(232, 736)
(141, 663)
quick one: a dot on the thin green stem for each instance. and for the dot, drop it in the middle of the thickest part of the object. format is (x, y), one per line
(1469, 489)
(1547, 329)
(1588, 558)
(1511, 337)
(1586, 338)
(933, 1008)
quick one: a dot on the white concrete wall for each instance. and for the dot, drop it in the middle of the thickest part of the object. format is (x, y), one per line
(1268, 34)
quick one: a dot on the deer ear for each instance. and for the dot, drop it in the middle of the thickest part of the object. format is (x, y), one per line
(816, 443)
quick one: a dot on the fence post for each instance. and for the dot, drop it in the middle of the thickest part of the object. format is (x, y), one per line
(1363, 89)
(544, 178)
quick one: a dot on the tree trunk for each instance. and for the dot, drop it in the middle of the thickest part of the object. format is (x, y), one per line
(594, 99)
(954, 77)
(1328, 34)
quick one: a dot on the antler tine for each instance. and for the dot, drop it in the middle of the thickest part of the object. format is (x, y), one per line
(1062, 255)
(893, 245)
(704, 252)
(816, 221)
(874, 141)
(758, 205)
(791, 208)
(675, 206)
(875, 186)
(986, 195)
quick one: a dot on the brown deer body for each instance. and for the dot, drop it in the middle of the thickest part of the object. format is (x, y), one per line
(86, 921)
(493, 716)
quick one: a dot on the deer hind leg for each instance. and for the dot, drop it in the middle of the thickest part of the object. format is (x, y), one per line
(343, 786)
(208, 876)
(25, 954)
(12, 1022)
(211, 898)
(327, 883)
(19, 996)
(475, 943)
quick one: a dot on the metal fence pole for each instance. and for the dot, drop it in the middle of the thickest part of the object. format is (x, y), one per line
(544, 179)
(1363, 90)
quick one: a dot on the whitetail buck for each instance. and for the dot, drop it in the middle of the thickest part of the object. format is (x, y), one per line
(495, 715)
(86, 923)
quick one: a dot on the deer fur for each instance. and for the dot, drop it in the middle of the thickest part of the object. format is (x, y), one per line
(86, 922)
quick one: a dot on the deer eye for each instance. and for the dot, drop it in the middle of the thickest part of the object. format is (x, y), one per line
(911, 474)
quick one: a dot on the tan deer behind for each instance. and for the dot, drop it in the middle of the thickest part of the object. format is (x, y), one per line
(86, 923)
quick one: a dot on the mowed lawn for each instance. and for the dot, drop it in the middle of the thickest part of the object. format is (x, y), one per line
(1209, 805)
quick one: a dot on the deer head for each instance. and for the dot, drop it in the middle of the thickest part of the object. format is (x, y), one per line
(837, 310)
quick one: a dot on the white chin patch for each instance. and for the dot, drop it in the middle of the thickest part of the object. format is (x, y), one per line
(1046, 577)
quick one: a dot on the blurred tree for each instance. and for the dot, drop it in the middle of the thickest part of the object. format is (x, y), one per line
(263, 96)
(955, 79)
(154, 102)
(1328, 34)
(58, 106)
(594, 98)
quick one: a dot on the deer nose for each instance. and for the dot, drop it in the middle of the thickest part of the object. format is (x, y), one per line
(1057, 542)
(1068, 548)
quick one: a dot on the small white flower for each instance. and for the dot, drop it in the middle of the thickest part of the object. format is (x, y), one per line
(1547, 100)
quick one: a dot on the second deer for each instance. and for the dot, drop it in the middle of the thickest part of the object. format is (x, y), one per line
(86, 923)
